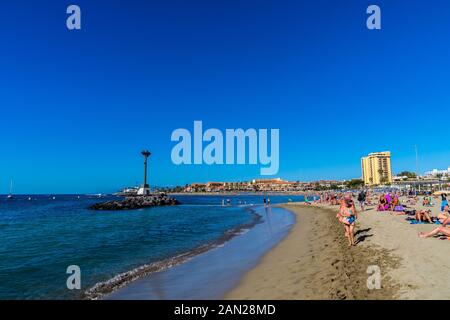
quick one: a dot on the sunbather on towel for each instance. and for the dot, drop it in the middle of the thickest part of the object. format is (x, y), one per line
(439, 230)
(422, 215)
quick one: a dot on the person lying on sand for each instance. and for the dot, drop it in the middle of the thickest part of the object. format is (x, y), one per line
(439, 230)
(421, 215)
(347, 216)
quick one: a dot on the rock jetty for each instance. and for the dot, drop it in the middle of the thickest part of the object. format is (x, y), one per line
(136, 202)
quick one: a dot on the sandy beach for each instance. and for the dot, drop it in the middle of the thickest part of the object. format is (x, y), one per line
(314, 261)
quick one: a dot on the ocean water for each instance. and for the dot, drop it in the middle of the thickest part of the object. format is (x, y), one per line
(212, 274)
(41, 237)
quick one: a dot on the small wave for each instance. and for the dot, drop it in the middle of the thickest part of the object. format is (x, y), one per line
(101, 289)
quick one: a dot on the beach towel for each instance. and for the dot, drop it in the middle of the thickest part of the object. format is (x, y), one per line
(422, 222)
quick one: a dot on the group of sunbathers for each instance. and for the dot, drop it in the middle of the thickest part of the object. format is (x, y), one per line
(390, 202)
(444, 220)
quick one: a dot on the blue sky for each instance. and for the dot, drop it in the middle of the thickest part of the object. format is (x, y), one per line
(78, 106)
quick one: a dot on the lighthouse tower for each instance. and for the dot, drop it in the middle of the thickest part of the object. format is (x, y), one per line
(145, 188)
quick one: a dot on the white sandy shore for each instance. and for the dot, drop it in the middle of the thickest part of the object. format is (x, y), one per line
(312, 262)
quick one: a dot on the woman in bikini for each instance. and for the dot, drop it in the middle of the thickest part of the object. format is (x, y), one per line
(422, 215)
(439, 230)
(347, 216)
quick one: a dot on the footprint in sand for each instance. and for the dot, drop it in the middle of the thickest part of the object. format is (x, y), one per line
(335, 262)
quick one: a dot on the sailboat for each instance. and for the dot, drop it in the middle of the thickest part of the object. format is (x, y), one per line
(10, 191)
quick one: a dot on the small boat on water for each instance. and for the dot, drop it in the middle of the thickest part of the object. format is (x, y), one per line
(9, 196)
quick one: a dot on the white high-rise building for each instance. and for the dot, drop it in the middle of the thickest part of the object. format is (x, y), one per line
(435, 172)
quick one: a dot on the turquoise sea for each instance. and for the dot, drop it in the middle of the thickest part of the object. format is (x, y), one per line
(43, 235)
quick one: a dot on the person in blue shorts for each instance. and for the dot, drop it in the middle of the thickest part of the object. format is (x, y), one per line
(443, 201)
(347, 216)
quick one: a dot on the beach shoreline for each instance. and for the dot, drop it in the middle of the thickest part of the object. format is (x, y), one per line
(245, 193)
(106, 288)
(314, 261)
(222, 265)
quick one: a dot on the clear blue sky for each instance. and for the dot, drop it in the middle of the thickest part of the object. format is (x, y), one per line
(77, 107)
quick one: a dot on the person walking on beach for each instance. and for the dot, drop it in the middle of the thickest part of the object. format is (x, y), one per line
(362, 199)
(347, 216)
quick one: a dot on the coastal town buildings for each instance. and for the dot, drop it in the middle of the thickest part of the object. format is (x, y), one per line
(262, 185)
(436, 173)
(376, 168)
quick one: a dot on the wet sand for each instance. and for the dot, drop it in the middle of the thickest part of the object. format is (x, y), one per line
(314, 262)
(212, 273)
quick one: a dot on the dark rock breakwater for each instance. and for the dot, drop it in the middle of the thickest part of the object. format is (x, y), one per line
(136, 202)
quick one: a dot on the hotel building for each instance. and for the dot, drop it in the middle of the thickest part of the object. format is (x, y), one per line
(376, 168)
